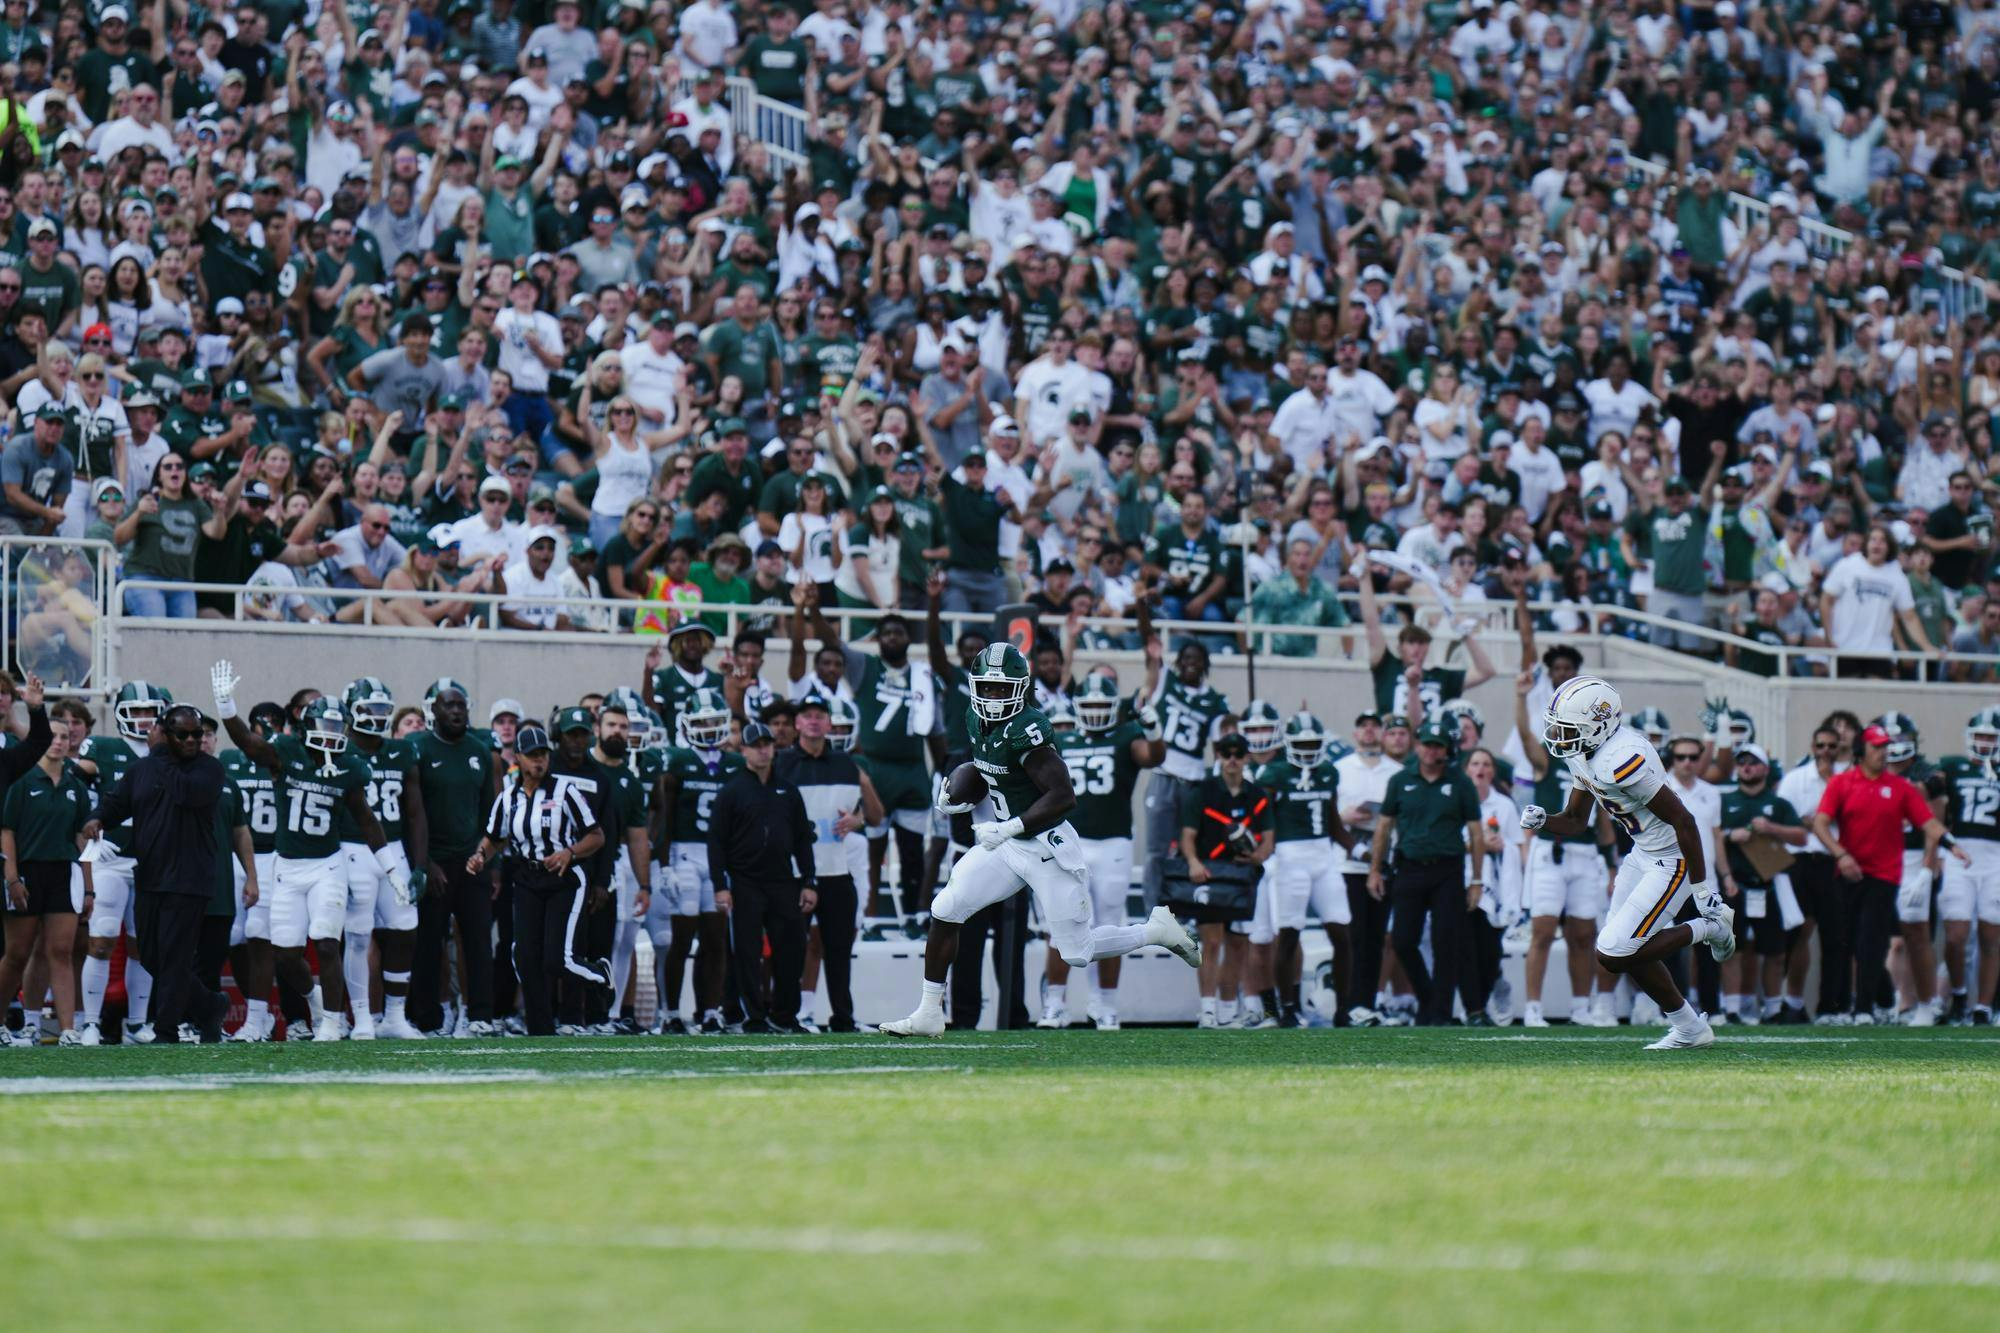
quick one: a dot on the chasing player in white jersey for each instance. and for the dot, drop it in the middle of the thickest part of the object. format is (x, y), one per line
(1615, 767)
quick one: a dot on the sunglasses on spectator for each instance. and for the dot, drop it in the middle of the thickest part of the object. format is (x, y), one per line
(1686, 756)
(91, 376)
(171, 467)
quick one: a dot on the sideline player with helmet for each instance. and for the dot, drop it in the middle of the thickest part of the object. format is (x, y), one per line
(624, 733)
(687, 905)
(250, 933)
(1568, 884)
(1189, 713)
(1917, 898)
(1028, 843)
(1104, 757)
(1616, 767)
(137, 709)
(1974, 782)
(1303, 871)
(374, 907)
(316, 777)
(667, 686)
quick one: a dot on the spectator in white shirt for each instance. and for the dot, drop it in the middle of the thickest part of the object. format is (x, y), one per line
(531, 346)
(1925, 481)
(708, 34)
(654, 370)
(1540, 471)
(1360, 398)
(1305, 422)
(534, 579)
(488, 534)
(1864, 598)
(1616, 400)
(1050, 386)
(704, 112)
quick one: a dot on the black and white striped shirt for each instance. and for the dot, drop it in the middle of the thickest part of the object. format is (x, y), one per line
(537, 825)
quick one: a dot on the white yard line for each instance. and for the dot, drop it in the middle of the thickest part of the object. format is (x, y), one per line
(47, 1087)
(1230, 1251)
(691, 1046)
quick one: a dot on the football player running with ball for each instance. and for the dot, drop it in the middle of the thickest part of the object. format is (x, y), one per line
(1614, 766)
(1029, 843)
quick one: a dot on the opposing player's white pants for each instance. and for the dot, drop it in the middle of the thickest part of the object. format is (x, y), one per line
(1051, 866)
(254, 923)
(308, 900)
(371, 900)
(1648, 895)
(1575, 887)
(111, 908)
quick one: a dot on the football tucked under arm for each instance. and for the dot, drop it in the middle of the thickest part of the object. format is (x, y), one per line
(962, 789)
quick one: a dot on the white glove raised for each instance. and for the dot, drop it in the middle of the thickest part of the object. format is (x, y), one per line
(1533, 817)
(1149, 722)
(992, 835)
(223, 680)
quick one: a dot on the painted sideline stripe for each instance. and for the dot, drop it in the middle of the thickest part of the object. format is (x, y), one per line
(45, 1087)
(1792, 1268)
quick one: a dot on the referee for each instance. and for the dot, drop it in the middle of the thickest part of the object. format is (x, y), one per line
(547, 831)
(1435, 815)
(760, 850)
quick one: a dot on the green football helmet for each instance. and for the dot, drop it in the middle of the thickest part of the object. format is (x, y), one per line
(445, 685)
(1261, 727)
(705, 721)
(1097, 703)
(323, 726)
(138, 705)
(1653, 725)
(1305, 740)
(371, 709)
(656, 730)
(843, 724)
(1062, 715)
(999, 682)
(1982, 734)
(632, 704)
(1903, 739)
(1460, 711)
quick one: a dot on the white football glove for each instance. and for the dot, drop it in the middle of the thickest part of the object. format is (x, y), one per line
(1149, 722)
(1533, 817)
(992, 835)
(943, 803)
(223, 680)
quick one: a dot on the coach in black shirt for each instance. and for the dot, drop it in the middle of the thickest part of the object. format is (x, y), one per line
(760, 850)
(170, 796)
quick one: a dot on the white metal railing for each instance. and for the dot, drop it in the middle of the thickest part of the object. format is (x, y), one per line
(1964, 293)
(779, 126)
(1331, 643)
(54, 596)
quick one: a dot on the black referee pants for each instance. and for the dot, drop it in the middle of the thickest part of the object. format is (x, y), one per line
(1436, 888)
(1369, 930)
(968, 969)
(169, 936)
(838, 902)
(757, 912)
(453, 893)
(548, 939)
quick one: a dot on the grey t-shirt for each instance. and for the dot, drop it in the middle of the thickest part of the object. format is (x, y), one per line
(46, 479)
(356, 552)
(394, 385)
(961, 437)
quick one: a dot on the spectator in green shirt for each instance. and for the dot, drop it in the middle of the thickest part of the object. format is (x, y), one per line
(1673, 533)
(720, 578)
(1296, 597)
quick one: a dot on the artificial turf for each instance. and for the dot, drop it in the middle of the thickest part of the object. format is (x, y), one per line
(1143, 1179)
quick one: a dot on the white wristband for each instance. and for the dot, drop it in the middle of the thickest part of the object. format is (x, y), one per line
(385, 856)
(1012, 828)
(225, 706)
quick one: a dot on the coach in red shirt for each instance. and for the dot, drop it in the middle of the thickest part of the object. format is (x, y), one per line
(1871, 807)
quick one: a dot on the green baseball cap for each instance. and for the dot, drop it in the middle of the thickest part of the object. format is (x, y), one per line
(731, 426)
(574, 718)
(195, 379)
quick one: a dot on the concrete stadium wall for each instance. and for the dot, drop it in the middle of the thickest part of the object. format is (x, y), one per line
(544, 670)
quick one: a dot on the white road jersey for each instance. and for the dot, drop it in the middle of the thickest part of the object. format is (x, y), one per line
(1623, 775)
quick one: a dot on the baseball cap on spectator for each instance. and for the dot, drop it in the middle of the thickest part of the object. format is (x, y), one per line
(51, 411)
(581, 547)
(257, 491)
(756, 733)
(1752, 754)
(542, 532)
(239, 203)
(531, 739)
(42, 227)
(496, 486)
(238, 391)
(768, 547)
(105, 488)
(731, 426)
(513, 708)
(1005, 428)
(687, 328)
(909, 462)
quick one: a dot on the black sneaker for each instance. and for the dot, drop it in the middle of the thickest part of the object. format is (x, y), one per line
(674, 1027)
(711, 1026)
(766, 1028)
(1479, 1020)
(847, 1025)
(1956, 1017)
(624, 1026)
(1982, 1017)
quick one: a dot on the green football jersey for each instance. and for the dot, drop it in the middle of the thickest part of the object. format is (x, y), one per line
(309, 797)
(1975, 798)
(1437, 687)
(1737, 812)
(998, 749)
(453, 776)
(1552, 791)
(1187, 718)
(112, 755)
(672, 690)
(697, 781)
(1103, 774)
(260, 798)
(882, 697)
(1305, 798)
(387, 769)
(628, 793)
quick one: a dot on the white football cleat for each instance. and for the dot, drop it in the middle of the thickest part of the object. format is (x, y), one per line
(1534, 1019)
(249, 1030)
(69, 1037)
(363, 1029)
(140, 1034)
(1675, 1040)
(1723, 946)
(1163, 930)
(90, 1034)
(926, 1022)
(328, 1027)
(1106, 1020)
(1923, 1016)
(1053, 1018)
(1208, 1020)
(397, 1027)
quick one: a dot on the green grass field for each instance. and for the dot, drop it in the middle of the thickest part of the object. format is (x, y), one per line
(1054, 1180)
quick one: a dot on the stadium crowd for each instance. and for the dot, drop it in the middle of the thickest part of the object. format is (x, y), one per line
(1169, 303)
